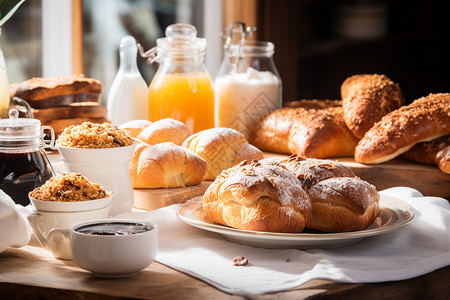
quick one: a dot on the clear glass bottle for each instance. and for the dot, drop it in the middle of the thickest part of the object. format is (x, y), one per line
(127, 98)
(247, 86)
(4, 85)
(182, 88)
(24, 163)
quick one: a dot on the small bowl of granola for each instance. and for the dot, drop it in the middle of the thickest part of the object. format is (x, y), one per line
(101, 152)
(62, 201)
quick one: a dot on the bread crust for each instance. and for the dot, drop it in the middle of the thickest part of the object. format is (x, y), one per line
(366, 98)
(165, 165)
(258, 198)
(39, 89)
(221, 148)
(435, 152)
(425, 119)
(342, 204)
(318, 133)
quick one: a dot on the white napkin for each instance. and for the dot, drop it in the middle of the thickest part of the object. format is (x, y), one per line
(15, 230)
(418, 248)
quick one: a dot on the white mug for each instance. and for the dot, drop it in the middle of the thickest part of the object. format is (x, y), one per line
(107, 167)
(48, 215)
(112, 248)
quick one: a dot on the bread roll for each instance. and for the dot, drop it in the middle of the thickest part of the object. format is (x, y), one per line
(342, 204)
(366, 99)
(161, 131)
(310, 170)
(318, 133)
(259, 198)
(164, 130)
(435, 152)
(133, 128)
(165, 165)
(221, 148)
(423, 120)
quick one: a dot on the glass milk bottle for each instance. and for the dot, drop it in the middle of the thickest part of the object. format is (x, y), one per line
(181, 89)
(247, 86)
(127, 98)
(4, 86)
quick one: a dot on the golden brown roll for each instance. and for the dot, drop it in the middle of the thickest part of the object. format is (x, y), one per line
(435, 152)
(342, 204)
(259, 198)
(161, 131)
(165, 165)
(221, 148)
(133, 128)
(423, 120)
(366, 99)
(311, 170)
(318, 133)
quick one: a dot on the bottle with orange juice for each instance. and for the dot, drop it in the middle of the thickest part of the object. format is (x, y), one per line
(181, 89)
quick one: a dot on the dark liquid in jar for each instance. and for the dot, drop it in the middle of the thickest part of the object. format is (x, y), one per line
(21, 173)
(114, 228)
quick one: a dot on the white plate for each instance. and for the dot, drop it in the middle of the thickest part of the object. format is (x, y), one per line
(394, 215)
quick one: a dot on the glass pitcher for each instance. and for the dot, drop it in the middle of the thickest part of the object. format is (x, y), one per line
(182, 88)
(247, 85)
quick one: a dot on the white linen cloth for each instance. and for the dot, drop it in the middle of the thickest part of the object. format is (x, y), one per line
(15, 230)
(419, 248)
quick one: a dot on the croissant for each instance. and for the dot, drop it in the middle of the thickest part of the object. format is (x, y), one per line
(161, 131)
(165, 165)
(221, 148)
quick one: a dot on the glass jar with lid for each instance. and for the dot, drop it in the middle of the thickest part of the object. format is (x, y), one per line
(24, 163)
(182, 88)
(247, 86)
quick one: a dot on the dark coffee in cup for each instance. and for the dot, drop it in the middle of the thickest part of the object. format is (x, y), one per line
(113, 228)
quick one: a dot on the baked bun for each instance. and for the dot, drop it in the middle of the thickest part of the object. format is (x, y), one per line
(310, 132)
(435, 152)
(366, 99)
(342, 204)
(259, 198)
(340, 201)
(164, 130)
(133, 128)
(221, 148)
(423, 120)
(310, 170)
(165, 165)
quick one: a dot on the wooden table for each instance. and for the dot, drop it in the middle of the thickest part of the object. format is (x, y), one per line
(32, 272)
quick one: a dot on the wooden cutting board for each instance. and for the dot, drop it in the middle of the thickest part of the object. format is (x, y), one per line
(429, 180)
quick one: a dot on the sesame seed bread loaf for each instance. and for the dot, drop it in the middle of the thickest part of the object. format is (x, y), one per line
(366, 98)
(425, 119)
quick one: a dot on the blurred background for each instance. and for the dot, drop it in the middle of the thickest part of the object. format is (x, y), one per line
(318, 43)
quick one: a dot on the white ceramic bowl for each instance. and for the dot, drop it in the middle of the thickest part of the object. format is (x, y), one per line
(107, 167)
(48, 215)
(113, 255)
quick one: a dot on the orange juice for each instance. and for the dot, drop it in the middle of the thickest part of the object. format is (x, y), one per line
(186, 97)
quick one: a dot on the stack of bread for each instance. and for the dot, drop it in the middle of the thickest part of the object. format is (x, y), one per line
(370, 123)
(62, 101)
